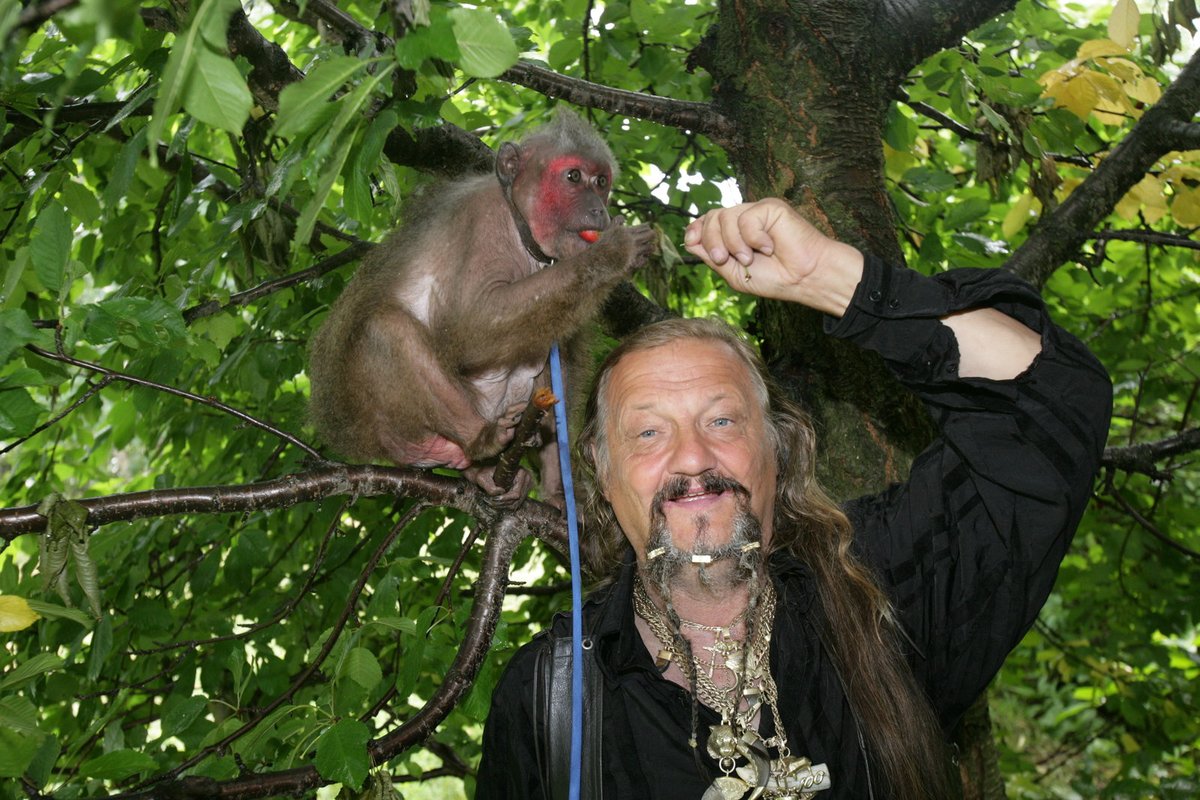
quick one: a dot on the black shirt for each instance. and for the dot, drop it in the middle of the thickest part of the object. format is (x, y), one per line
(967, 550)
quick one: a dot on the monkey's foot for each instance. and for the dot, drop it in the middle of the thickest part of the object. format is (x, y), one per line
(434, 451)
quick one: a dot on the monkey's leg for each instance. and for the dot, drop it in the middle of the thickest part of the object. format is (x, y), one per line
(423, 414)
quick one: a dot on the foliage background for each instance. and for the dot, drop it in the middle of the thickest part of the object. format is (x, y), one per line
(185, 220)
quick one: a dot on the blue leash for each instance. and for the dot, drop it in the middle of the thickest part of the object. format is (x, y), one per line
(564, 462)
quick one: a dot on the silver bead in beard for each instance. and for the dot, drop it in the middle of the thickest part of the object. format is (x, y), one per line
(717, 568)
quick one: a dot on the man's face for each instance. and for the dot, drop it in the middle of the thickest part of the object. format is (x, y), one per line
(675, 413)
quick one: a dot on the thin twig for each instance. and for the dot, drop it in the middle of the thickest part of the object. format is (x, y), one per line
(208, 401)
(524, 438)
(1146, 524)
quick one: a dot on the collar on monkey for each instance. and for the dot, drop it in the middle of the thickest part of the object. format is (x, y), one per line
(531, 246)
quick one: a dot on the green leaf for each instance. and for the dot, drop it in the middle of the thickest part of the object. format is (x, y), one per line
(16, 330)
(212, 15)
(217, 94)
(102, 638)
(925, 179)
(349, 109)
(117, 765)
(961, 213)
(362, 667)
(899, 131)
(342, 753)
(305, 105)
(50, 246)
(86, 574)
(434, 42)
(19, 413)
(16, 752)
(28, 670)
(134, 321)
(18, 714)
(54, 610)
(181, 715)
(42, 765)
(486, 46)
(120, 177)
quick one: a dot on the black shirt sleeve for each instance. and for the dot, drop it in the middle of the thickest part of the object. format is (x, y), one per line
(969, 546)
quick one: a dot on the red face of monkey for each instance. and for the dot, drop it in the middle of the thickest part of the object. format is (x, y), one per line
(564, 200)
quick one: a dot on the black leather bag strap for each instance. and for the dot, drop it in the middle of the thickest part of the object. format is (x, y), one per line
(554, 706)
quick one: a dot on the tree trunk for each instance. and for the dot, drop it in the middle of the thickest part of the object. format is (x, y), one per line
(807, 86)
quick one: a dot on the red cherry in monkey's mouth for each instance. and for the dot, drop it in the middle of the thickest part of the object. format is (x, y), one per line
(591, 237)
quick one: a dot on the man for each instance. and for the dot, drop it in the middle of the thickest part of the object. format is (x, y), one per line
(754, 640)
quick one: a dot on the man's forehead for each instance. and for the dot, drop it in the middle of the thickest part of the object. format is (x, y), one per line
(702, 369)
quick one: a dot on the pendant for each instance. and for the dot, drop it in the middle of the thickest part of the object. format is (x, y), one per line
(722, 742)
(726, 788)
(758, 772)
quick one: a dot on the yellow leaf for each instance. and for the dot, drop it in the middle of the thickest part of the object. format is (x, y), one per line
(1123, 23)
(1076, 94)
(1147, 196)
(1185, 208)
(1145, 90)
(15, 614)
(1066, 187)
(1017, 216)
(1112, 107)
(1176, 173)
(1099, 48)
(1123, 68)
(1129, 744)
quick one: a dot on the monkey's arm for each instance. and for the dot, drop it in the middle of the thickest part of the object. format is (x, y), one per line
(513, 320)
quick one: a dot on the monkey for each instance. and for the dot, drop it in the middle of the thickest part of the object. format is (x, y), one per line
(430, 355)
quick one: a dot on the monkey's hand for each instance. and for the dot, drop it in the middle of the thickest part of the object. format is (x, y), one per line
(483, 476)
(621, 249)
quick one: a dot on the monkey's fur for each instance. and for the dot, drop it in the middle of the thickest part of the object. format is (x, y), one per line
(432, 351)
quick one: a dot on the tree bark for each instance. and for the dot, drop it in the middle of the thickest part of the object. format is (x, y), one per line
(807, 87)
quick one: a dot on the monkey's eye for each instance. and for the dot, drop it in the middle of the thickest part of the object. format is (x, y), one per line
(574, 175)
(602, 181)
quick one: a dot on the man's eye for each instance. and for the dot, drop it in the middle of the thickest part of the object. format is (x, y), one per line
(647, 434)
(722, 422)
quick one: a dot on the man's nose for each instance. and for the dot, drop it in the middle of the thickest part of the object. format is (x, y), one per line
(692, 453)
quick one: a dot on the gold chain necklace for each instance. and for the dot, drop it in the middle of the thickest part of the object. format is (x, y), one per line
(735, 738)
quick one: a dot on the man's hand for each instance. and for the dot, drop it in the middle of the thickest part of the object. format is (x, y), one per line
(767, 249)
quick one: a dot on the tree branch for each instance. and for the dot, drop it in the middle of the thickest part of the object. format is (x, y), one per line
(207, 309)
(1145, 457)
(1147, 237)
(33, 15)
(1059, 236)
(1146, 524)
(950, 124)
(332, 480)
(682, 114)
(1184, 135)
(915, 29)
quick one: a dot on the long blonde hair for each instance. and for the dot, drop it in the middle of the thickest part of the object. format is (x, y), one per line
(860, 630)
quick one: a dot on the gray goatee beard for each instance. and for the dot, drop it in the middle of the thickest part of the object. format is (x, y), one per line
(727, 566)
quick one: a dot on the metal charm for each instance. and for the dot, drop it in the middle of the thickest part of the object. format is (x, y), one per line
(726, 788)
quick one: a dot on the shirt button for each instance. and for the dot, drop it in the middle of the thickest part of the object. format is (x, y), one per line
(875, 296)
(893, 303)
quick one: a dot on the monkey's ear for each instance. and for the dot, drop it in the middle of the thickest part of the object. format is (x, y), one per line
(508, 164)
